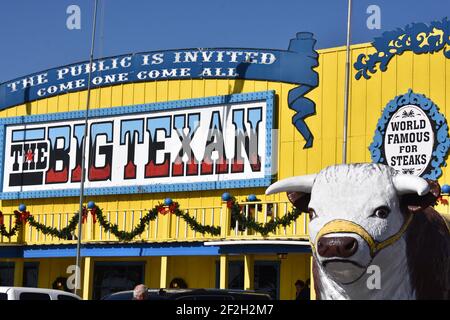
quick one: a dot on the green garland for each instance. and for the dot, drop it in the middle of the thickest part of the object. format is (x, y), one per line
(263, 228)
(65, 233)
(236, 216)
(13, 231)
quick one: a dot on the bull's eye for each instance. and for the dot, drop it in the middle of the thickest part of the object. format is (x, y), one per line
(381, 212)
(312, 214)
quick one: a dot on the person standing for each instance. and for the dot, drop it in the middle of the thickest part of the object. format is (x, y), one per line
(302, 290)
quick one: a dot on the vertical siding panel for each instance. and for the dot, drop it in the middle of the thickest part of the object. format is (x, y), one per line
(185, 89)
(105, 97)
(223, 87)
(139, 93)
(260, 86)
(94, 99)
(52, 105)
(389, 82)
(405, 72)
(127, 94)
(42, 106)
(210, 88)
(421, 74)
(357, 114)
(340, 94)
(161, 91)
(63, 103)
(174, 89)
(74, 101)
(374, 109)
(150, 92)
(198, 88)
(329, 81)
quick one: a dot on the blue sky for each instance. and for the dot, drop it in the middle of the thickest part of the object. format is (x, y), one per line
(35, 37)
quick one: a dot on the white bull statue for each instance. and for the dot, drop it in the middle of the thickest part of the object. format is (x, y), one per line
(366, 221)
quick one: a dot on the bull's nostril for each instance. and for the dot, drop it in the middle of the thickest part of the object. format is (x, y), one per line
(350, 245)
(342, 247)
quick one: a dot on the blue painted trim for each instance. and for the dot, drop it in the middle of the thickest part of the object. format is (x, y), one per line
(417, 37)
(264, 249)
(268, 96)
(144, 250)
(121, 250)
(11, 252)
(438, 121)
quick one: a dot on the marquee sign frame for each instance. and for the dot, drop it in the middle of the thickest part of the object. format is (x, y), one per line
(172, 107)
(439, 126)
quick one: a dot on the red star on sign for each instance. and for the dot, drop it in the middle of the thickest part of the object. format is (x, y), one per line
(29, 155)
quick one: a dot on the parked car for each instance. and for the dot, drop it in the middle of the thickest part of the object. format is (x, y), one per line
(192, 294)
(23, 293)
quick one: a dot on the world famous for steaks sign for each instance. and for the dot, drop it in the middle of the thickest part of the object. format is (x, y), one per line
(197, 144)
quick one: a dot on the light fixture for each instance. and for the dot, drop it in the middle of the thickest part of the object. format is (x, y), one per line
(282, 255)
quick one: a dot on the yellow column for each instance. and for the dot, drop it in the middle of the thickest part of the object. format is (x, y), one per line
(249, 278)
(313, 293)
(87, 278)
(225, 221)
(18, 273)
(163, 274)
(89, 227)
(223, 272)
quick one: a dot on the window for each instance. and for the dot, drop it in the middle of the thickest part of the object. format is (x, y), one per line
(66, 297)
(7, 274)
(30, 274)
(34, 296)
(111, 277)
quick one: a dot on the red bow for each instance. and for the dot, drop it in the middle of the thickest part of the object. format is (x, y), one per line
(442, 200)
(230, 204)
(23, 217)
(1, 218)
(85, 214)
(162, 209)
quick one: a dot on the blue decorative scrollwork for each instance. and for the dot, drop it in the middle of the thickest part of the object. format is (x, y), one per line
(417, 37)
(442, 143)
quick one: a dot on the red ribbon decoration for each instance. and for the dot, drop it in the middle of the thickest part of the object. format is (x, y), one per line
(162, 209)
(85, 214)
(1, 218)
(24, 217)
(442, 200)
(94, 213)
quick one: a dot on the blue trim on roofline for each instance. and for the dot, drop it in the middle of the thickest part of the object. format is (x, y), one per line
(144, 250)
(269, 96)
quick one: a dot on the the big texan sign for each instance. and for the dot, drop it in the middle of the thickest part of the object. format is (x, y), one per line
(197, 144)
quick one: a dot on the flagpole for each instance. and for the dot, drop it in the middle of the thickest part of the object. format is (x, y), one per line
(347, 83)
(83, 155)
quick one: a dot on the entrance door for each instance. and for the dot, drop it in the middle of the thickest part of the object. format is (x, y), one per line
(110, 277)
(267, 278)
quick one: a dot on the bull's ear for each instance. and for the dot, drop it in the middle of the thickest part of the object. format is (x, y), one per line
(300, 200)
(416, 203)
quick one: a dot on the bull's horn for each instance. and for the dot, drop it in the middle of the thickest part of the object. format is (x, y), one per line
(405, 184)
(299, 183)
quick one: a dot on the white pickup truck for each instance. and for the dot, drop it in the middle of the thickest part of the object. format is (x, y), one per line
(22, 293)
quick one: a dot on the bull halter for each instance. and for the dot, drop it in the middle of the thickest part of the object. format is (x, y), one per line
(345, 226)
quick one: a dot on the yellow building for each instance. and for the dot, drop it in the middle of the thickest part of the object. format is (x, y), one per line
(176, 111)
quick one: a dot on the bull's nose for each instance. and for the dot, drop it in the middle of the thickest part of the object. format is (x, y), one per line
(342, 247)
